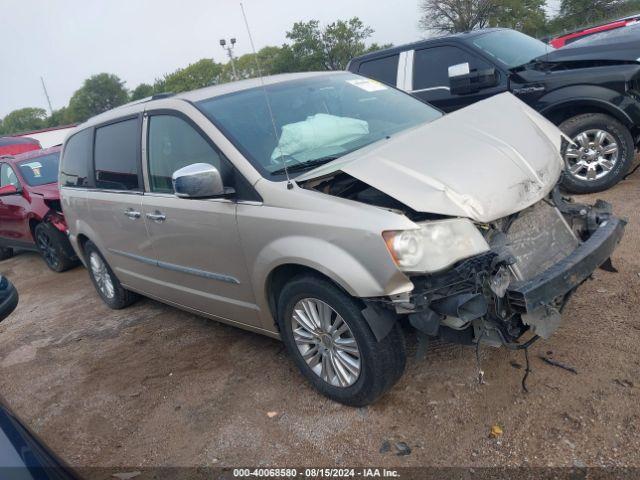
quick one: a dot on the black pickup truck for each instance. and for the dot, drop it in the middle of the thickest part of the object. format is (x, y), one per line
(590, 89)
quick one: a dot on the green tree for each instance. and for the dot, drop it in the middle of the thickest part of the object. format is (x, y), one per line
(582, 13)
(527, 16)
(328, 48)
(452, 16)
(58, 117)
(143, 90)
(24, 120)
(203, 73)
(98, 94)
(272, 60)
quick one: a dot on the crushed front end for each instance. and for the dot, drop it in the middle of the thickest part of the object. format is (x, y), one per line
(538, 257)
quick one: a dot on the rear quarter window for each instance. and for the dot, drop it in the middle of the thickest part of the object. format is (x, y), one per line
(76, 160)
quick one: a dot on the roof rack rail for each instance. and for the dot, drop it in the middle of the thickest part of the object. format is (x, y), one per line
(158, 96)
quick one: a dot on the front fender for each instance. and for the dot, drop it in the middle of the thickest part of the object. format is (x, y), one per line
(332, 261)
(623, 107)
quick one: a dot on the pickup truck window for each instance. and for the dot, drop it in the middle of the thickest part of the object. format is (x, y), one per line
(510, 48)
(431, 65)
(384, 69)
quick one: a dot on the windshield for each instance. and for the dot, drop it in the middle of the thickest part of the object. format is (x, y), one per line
(317, 119)
(510, 48)
(40, 170)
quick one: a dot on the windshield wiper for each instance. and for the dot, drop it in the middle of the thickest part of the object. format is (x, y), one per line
(309, 164)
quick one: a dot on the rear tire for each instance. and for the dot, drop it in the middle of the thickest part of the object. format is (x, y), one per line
(590, 158)
(5, 253)
(54, 247)
(380, 363)
(104, 280)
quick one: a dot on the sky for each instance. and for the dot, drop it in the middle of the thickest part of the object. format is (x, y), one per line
(66, 41)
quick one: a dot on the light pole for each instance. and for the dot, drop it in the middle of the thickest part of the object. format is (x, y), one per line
(229, 49)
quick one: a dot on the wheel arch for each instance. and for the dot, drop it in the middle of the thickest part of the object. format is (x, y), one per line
(287, 256)
(280, 275)
(561, 111)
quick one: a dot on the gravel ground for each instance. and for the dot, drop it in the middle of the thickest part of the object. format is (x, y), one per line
(152, 385)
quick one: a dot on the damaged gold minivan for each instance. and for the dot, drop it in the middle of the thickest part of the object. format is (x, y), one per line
(326, 209)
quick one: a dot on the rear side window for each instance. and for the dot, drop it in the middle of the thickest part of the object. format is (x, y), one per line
(117, 156)
(383, 69)
(431, 65)
(76, 160)
(8, 176)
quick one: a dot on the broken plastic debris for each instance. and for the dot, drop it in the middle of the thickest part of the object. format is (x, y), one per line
(496, 431)
(271, 414)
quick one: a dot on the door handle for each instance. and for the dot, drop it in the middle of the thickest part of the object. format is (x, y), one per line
(157, 216)
(132, 214)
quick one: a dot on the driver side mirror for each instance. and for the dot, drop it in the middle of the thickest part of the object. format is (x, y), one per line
(199, 180)
(463, 80)
(8, 190)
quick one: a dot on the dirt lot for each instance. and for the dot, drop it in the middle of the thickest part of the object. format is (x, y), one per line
(152, 385)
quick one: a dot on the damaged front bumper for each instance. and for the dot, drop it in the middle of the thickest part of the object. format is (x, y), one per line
(523, 282)
(568, 273)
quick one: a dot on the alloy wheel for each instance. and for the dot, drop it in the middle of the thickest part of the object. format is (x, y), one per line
(47, 249)
(593, 155)
(326, 342)
(101, 275)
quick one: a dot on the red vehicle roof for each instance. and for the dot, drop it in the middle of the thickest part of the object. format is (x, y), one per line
(16, 145)
(32, 154)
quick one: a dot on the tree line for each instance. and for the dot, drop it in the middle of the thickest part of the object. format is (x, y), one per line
(528, 16)
(311, 46)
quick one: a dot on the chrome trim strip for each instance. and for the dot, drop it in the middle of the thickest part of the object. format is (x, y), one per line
(430, 89)
(211, 296)
(178, 268)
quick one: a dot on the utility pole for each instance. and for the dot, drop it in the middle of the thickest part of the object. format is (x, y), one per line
(46, 94)
(229, 50)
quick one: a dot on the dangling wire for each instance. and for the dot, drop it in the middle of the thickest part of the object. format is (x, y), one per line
(526, 370)
(478, 364)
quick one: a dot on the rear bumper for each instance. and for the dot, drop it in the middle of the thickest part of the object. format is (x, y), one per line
(567, 274)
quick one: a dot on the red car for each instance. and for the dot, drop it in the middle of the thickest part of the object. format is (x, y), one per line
(16, 145)
(568, 38)
(30, 213)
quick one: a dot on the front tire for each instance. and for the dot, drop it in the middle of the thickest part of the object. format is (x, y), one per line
(332, 345)
(54, 247)
(104, 280)
(602, 155)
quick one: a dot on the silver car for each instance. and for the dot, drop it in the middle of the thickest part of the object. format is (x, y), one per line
(327, 210)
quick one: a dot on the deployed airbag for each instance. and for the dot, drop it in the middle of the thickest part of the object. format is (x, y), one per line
(303, 139)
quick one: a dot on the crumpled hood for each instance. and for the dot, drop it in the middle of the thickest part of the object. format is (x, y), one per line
(491, 159)
(49, 191)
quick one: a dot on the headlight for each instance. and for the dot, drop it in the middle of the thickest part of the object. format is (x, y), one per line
(435, 245)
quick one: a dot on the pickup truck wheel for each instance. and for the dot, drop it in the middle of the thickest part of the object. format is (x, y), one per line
(104, 280)
(602, 153)
(54, 248)
(6, 252)
(331, 343)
